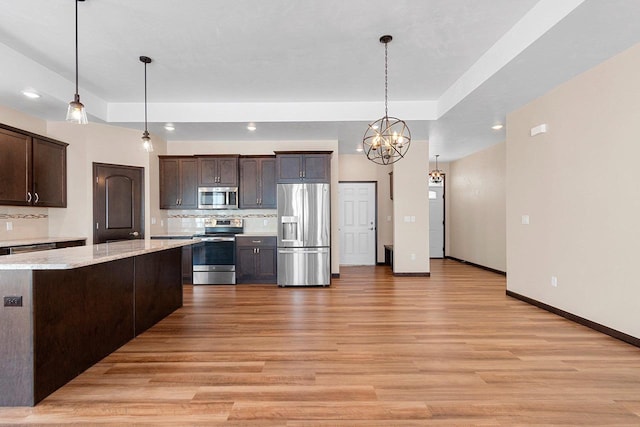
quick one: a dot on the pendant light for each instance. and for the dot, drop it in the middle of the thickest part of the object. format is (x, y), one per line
(76, 112)
(436, 176)
(387, 139)
(147, 145)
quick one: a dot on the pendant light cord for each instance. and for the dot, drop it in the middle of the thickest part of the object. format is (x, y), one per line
(386, 86)
(77, 96)
(145, 97)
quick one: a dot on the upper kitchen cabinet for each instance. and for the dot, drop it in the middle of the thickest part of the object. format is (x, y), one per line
(33, 170)
(258, 182)
(218, 171)
(308, 166)
(178, 182)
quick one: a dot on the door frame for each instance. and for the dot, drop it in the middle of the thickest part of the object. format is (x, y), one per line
(375, 213)
(95, 166)
(444, 216)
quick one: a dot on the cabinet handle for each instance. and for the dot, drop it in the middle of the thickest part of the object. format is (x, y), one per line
(28, 197)
(257, 250)
(177, 202)
(256, 241)
(300, 174)
(37, 198)
(254, 250)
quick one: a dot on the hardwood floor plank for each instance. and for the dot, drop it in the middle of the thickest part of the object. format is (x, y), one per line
(266, 410)
(372, 350)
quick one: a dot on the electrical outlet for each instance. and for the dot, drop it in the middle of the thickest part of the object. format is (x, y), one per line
(9, 226)
(13, 301)
(153, 220)
(413, 257)
(554, 281)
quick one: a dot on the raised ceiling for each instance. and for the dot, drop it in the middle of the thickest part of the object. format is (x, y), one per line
(306, 69)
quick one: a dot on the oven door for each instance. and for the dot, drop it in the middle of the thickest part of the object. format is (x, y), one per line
(214, 260)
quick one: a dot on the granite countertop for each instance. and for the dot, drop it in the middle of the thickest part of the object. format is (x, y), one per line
(37, 241)
(81, 256)
(177, 235)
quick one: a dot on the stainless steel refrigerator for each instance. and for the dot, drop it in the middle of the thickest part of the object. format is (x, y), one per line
(304, 212)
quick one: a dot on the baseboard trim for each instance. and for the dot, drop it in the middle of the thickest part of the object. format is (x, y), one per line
(574, 318)
(493, 270)
(412, 274)
(335, 275)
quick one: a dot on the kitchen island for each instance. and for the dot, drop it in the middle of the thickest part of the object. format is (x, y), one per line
(64, 310)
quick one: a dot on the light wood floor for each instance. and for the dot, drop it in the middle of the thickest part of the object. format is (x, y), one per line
(372, 350)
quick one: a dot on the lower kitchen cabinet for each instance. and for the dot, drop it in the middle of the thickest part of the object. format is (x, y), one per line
(256, 259)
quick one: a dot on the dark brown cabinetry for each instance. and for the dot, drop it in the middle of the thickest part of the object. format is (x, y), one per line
(178, 182)
(294, 167)
(73, 318)
(256, 259)
(218, 171)
(258, 182)
(33, 170)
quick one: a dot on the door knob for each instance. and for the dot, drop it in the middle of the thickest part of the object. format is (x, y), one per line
(134, 234)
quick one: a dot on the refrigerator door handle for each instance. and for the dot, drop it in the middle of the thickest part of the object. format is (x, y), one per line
(302, 251)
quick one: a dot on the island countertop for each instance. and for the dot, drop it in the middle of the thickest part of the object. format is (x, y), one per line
(81, 256)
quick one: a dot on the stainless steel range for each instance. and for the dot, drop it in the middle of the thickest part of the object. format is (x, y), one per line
(214, 257)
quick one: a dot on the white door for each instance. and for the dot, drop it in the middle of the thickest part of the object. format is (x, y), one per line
(357, 225)
(436, 220)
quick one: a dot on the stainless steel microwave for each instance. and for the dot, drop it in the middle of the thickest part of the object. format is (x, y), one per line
(217, 197)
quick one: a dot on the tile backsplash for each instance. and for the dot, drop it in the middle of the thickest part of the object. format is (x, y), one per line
(255, 221)
(23, 223)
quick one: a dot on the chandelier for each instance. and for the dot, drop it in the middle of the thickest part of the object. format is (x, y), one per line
(436, 176)
(387, 139)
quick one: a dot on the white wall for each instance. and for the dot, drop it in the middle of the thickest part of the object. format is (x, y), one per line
(476, 191)
(356, 167)
(580, 185)
(411, 201)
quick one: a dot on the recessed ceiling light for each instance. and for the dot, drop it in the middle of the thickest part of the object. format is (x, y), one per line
(497, 126)
(31, 94)
(251, 127)
(169, 127)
